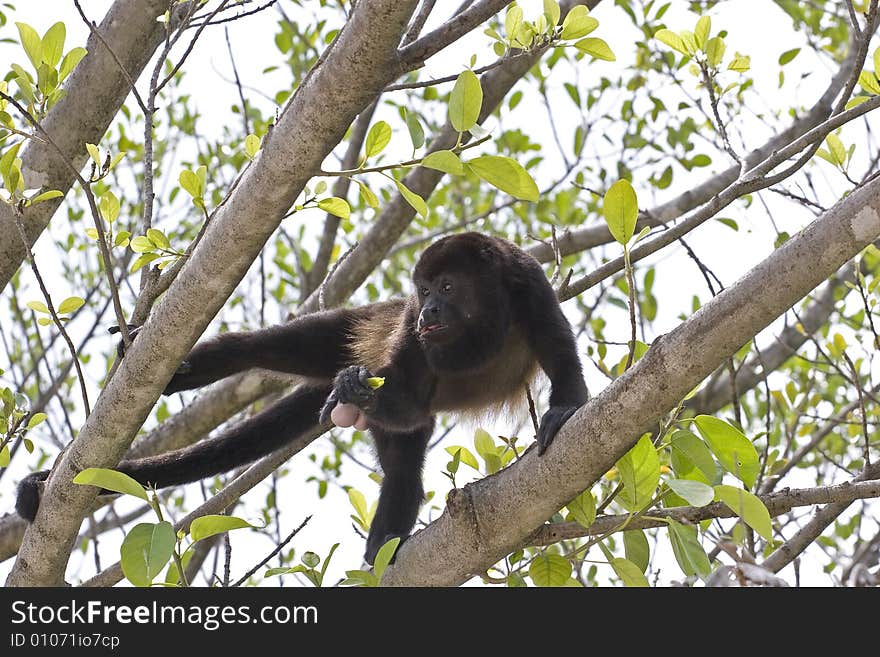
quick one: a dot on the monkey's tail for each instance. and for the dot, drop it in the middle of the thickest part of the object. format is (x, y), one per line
(243, 443)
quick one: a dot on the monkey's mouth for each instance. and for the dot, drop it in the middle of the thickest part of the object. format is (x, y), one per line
(426, 330)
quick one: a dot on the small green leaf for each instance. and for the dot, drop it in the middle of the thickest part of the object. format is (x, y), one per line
(715, 51)
(251, 146)
(689, 554)
(582, 509)
(31, 43)
(368, 196)
(621, 210)
(505, 174)
(336, 206)
(869, 82)
(552, 11)
(694, 492)
(635, 544)
(640, 473)
(376, 382)
(191, 183)
(788, 55)
(464, 455)
(597, 48)
(108, 205)
(672, 40)
(118, 482)
(628, 572)
(145, 551)
(70, 304)
(384, 556)
(445, 161)
(5, 456)
(701, 31)
(52, 44)
(44, 321)
(377, 138)
(38, 306)
(210, 525)
(734, 451)
(748, 507)
(550, 570)
(838, 150)
(465, 101)
(71, 59)
(46, 196)
(144, 259)
(692, 448)
(416, 201)
(740, 63)
(35, 420)
(416, 132)
(578, 23)
(142, 244)
(158, 238)
(94, 153)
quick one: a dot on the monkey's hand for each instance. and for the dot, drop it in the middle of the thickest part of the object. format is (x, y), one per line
(28, 500)
(351, 398)
(551, 423)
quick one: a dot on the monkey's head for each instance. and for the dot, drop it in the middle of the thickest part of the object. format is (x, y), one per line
(464, 308)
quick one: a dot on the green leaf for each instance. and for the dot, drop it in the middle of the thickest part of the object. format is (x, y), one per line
(384, 556)
(464, 455)
(52, 44)
(788, 55)
(582, 509)
(635, 544)
(368, 196)
(877, 60)
(416, 201)
(640, 473)
(578, 23)
(512, 20)
(44, 321)
(142, 244)
(45, 196)
(552, 11)
(336, 206)
(5, 456)
(628, 572)
(550, 570)
(251, 146)
(734, 451)
(145, 551)
(144, 259)
(109, 206)
(445, 161)
(70, 304)
(31, 43)
(377, 138)
(94, 153)
(360, 578)
(621, 210)
(465, 101)
(191, 183)
(507, 175)
(715, 51)
(688, 551)
(869, 82)
(35, 420)
(359, 502)
(701, 31)
(672, 40)
(376, 382)
(71, 59)
(158, 238)
(740, 63)
(597, 48)
(695, 493)
(695, 451)
(748, 507)
(38, 306)
(212, 525)
(416, 132)
(118, 482)
(838, 150)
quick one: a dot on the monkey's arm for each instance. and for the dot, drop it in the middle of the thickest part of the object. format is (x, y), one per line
(315, 346)
(551, 339)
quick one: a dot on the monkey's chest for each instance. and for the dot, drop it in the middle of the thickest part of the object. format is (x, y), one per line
(497, 387)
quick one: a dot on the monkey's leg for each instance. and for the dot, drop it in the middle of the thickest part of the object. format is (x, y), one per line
(247, 441)
(315, 346)
(401, 456)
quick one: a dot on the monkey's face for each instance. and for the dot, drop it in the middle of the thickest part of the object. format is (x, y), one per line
(444, 308)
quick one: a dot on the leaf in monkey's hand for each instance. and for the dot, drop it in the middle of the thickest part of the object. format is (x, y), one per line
(376, 382)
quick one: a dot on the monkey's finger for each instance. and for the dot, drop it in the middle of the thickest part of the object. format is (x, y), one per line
(329, 405)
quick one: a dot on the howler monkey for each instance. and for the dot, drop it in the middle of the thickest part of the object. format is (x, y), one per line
(481, 320)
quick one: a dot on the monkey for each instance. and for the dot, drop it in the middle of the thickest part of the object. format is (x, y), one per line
(481, 320)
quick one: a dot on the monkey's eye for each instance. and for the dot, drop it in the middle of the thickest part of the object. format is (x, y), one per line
(424, 291)
(447, 288)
